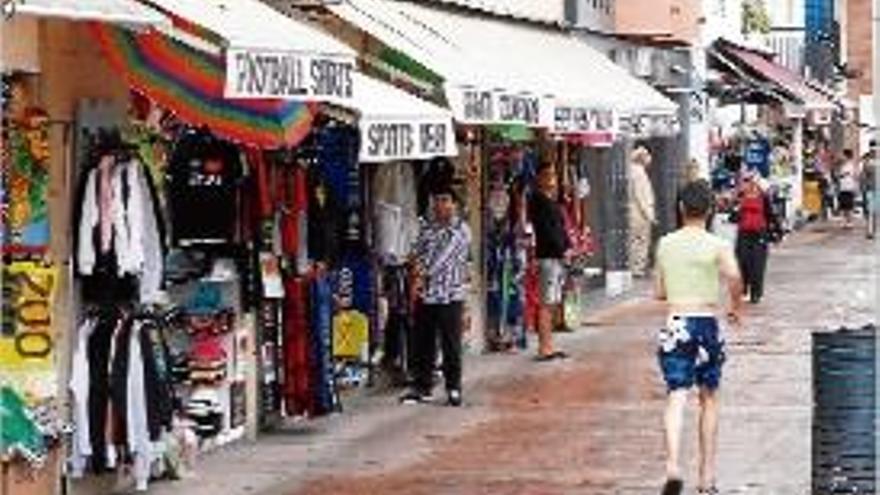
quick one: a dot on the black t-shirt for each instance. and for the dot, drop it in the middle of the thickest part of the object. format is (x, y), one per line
(203, 179)
(551, 242)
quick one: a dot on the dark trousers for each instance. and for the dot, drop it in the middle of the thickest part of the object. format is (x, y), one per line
(751, 253)
(433, 321)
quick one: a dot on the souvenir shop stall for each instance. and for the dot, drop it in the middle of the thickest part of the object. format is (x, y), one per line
(513, 156)
(35, 157)
(259, 193)
(406, 145)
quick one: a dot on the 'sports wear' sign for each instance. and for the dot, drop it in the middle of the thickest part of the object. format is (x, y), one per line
(388, 140)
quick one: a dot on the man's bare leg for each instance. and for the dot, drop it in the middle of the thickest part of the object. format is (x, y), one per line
(673, 422)
(545, 330)
(708, 436)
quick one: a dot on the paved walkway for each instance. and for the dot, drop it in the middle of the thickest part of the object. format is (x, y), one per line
(591, 424)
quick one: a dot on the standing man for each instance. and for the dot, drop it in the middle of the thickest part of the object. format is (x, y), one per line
(642, 215)
(868, 180)
(551, 245)
(440, 273)
(848, 180)
(690, 265)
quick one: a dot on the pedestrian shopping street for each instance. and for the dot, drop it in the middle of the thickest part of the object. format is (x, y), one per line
(591, 424)
(438, 247)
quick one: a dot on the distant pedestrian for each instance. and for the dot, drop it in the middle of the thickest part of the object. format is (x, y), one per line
(642, 215)
(755, 227)
(551, 245)
(848, 187)
(440, 273)
(691, 263)
(868, 181)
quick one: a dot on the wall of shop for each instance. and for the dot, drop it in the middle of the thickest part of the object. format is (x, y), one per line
(72, 69)
(63, 67)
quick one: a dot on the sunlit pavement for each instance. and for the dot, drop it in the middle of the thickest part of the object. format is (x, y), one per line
(591, 424)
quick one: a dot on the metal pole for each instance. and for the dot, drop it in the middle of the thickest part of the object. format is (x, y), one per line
(797, 193)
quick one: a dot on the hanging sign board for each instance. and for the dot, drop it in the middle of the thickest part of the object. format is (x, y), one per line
(650, 125)
(598, 126)
(820, 116)
(480, 106)
(288, 75)
(390, 140)
(27, 337)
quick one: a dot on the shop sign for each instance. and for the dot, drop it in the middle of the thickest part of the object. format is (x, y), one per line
(650, 125)
(479, 106)
(598, 123)
(27, 339)
(793, 111)
(820, 117)
(393, 140)
(288, 75)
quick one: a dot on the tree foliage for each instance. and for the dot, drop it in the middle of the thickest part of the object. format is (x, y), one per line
(755, 18)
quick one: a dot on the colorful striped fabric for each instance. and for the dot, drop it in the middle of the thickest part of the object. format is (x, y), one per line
(190, 83)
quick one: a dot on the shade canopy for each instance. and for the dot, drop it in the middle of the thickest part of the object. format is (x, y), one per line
(190, 83)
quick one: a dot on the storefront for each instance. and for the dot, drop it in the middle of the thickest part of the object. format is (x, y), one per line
(513, 106)
(42, 74)
(792, 135)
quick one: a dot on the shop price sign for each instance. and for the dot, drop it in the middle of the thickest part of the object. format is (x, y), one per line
(385, 141)
(599, 124)
(27, 339)
(288, 75)
(481, 106)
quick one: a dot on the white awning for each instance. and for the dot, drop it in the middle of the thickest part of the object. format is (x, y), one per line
(575, 74)
(497, 71)
(269, 55)
(396, 125)
(463, 70)
(112, 11)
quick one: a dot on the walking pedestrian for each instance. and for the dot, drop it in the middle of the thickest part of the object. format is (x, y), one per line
(440, 273)
(551, 245)
(848, 186)
(691, 263)
(755, 225)
(868, 181)
(642, 216)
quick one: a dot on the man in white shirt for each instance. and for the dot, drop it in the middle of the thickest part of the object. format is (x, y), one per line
(848, 181)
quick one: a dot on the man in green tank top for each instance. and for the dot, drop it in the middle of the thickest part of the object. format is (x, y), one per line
(691, 264)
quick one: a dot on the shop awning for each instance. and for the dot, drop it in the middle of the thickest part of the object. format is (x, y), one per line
(501, 72)
(128, 12)
(398, 126)
(268, 55)
(427, 54)
(574, 73)
(190, 83)
(789, 85)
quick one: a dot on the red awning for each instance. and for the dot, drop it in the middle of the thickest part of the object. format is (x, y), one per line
(790, 82)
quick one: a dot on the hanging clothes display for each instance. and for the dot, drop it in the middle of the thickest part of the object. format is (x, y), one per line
(122, 394)
(119, 243)
(395, 212)
(203, 176)
(511, 170)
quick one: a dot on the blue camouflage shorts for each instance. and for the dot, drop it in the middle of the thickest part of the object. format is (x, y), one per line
(691, 351)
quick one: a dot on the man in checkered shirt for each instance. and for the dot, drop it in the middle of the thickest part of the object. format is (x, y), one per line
(441, 272)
